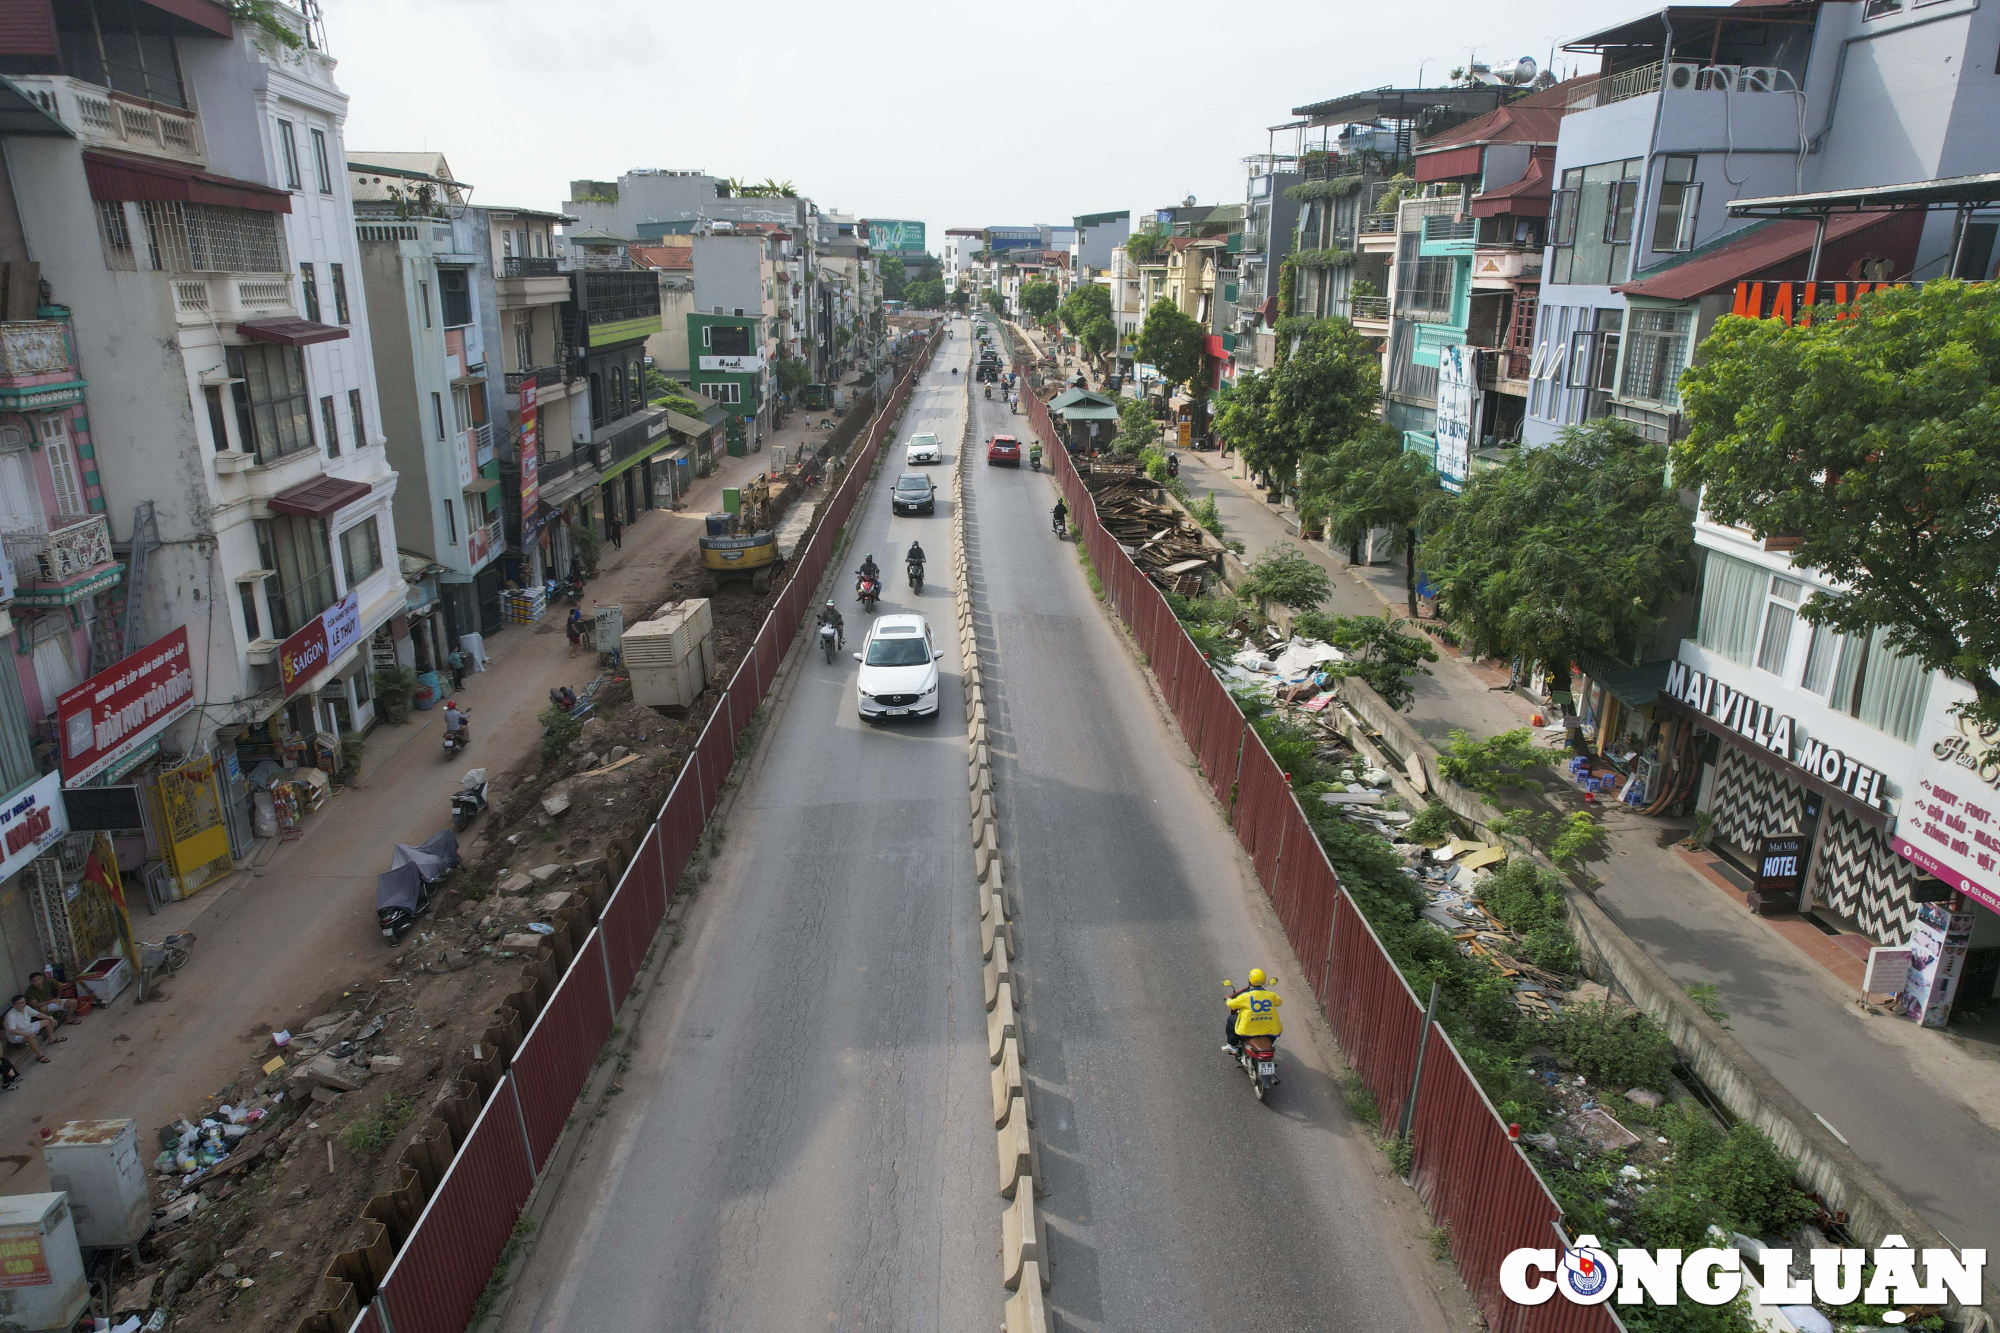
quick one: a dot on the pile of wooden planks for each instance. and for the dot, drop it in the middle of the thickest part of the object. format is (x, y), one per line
(1165, 544)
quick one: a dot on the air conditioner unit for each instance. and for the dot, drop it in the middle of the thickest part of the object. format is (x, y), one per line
(1683, 75)
(1758, 79)
(1719, 78)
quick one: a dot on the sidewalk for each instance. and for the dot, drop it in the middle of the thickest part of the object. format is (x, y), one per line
(299, 920)
(1789, 988)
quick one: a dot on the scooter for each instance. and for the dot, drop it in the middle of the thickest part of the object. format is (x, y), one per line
(406, 890)
(988, 391)
(469, 799)
(915, 569)
(869, 591)
(829, 642)
(1258, 1056)
(457, 738)
(1062, 528)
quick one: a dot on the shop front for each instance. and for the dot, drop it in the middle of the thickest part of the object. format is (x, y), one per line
(1622, 734)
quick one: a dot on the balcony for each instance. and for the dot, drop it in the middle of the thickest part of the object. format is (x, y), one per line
(526, 266)
(1608, 88)
(545, 377)
(61, 563)
(1368, 308)
(1378, 224)
(482, 443)
(225, 300)
(104, 119)
(36, 372)
(484, 542)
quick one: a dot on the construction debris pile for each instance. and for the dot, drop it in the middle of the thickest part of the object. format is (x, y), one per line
(1170, 548)
(1450, 877)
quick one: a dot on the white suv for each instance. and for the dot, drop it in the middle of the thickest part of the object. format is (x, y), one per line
(899, 674)
(924, 449)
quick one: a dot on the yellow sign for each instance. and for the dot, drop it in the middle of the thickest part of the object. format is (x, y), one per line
(1187, 434)
(191, 813)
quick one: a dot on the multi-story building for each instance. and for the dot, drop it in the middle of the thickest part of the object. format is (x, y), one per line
(613, 308)
(1270, 213)
(1098, 235)
(196, 221)
(538, 384)
(962, 246)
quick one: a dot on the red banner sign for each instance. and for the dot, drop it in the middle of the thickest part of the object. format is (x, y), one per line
(324, 638)
(531, 461)
(122, 707)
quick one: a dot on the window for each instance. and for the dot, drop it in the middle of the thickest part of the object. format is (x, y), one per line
(330, 423)
(729, 340)
(116, 233)
(450, 523)
(311, 281)
(301, 587)
(437, 411)
(218, 418)
(1880, 8)
(253, 625)
(424, 295)
(461, 409)
(54, 431)
(1779, 613)
(360, 551)
(339, 276)
(1866, 679)
(1656, 347)
(201, 238)
(538, 245)
(1592, 229)
(455, 297)
(321, 161)
(1679, 207)
(288, 149)
(598, 405)
(272, 415)
(507, 243)
(1732, 596)
(355, 419)
(1618, 214)
(617, 392)
(724, 392)
(115, 55)
(524, 340)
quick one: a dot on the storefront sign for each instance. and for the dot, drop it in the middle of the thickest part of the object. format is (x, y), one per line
(1950, 826)
(1887, 973)
(1781, 865)
(320, 643)
(22, 1260)
(1457, 391)
(531, 464)
(197, 840)
(1736, 711)
(1937, 945)
(122, 707)
(32, 821)
(737, 365)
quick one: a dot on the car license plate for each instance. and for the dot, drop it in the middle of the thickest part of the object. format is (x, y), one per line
(1267, 1066)
(896, 712)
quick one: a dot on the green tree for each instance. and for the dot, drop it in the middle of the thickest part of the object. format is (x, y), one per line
(960, 297)
(1871, 442)
(993, 301)
(1086, 304)
(1286, 576)
(1243, 416)
(1378, 651)
(1177, 345)
(1370, 482)
(1568, 550)
(924, 294)
(895, 278)
(1322, 394)
(793, 375)
(1138, 428)
(1038, 297)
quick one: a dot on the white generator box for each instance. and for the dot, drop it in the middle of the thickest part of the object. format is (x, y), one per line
(607, 625)
(670, 657)
(96, 1163)
(42, 1285)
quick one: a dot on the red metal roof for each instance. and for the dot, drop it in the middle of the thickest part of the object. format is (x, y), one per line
(662, 256)
(115, 177)
(318, 498)
(1533, 119)
(1775, 250)
(27, 28)
(1451, 163)
(290, 331)
(1526, 197)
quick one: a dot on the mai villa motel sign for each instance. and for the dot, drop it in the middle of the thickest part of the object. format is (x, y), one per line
(1734, 711)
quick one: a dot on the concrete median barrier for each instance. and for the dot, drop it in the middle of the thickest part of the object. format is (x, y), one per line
(1024, 1252)
(1020, 1159)
(1027, 1309)
(987, 853)
(999, 971)
(1001, 1023)
(1009, 1086)
(976, 766)
(982, 806)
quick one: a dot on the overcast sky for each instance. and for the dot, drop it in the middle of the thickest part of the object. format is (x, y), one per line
(955, 115)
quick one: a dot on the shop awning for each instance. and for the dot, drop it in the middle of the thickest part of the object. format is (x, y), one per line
(1635, 687)
(115, 177)
(686, 425)
(290, 331)
(1755, 250)
(1451, 163)
(318, 498)
(480, 484)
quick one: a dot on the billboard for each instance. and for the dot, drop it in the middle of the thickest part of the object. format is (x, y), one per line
(1457, 403)
(123, 706)
(896, 237)
(31, 821)
(1949, 824)
(319, 642)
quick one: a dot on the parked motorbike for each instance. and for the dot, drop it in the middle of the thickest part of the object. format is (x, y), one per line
(915, 569)
(1258, 1056)
(469, 799)
(159, 961)
(869, 591)
(829, 642)
(406, 890)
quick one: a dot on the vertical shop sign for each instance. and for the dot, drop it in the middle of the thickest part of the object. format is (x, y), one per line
(191, 807)
(1458, 385)
(531, 463)
(1938, 943)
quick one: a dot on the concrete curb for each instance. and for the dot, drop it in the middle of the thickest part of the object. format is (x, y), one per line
(1024, 1258)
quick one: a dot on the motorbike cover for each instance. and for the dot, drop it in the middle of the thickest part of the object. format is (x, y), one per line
(433, 859)
(400, 887)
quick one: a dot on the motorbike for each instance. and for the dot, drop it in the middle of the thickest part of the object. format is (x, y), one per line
(829, 642)
(457, 738)
(1062, 528)
(1258, 1056)
(469, 799)
(988, 391)
(406, 890)
(915, 569)
(1035, 461)
(869, 591)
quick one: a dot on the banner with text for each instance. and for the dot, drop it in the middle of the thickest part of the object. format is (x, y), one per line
(31, 821)
(124, 706)
(323, 640)
(531, 463)
(1950, 822)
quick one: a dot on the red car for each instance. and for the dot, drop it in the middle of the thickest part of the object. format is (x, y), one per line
(1003, 449)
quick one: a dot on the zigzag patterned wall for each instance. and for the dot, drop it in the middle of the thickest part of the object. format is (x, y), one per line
(1861, 877)
(1752, 801)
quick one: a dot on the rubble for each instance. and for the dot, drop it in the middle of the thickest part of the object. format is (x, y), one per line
(1169, 548)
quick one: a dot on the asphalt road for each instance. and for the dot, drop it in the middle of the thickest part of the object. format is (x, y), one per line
(805, 1140)
(1176, 1200)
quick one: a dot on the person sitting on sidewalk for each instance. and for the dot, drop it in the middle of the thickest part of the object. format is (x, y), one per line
(45, 998)
(10, 1077)
(25, 1027)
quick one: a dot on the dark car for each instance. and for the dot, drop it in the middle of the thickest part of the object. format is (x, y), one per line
(1003, 449)
(914, 494)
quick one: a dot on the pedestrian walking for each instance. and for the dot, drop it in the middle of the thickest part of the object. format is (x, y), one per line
(575, 629)
(457, 663)
(616, 529)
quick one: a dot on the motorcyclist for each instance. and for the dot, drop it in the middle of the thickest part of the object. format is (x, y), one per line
(915, 555)
(870, 570)
(1062, 512)
(1035, 454)
(1253, 1012)
(830, 615)
(455, 718)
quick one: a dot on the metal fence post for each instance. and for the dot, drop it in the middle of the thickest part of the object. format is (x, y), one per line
(382, 1313)
(1417, 1074)
(611, 991)
(521, 1119)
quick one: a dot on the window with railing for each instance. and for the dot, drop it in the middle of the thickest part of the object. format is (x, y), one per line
(1423, 283)
(297, 550)
(190, 238)
(108, 49)
(1655, 352)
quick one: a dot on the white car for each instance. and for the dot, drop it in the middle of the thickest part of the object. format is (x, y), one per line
(924, 449)
(899, 674)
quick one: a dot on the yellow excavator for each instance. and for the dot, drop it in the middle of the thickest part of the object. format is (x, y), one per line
(741, 547)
